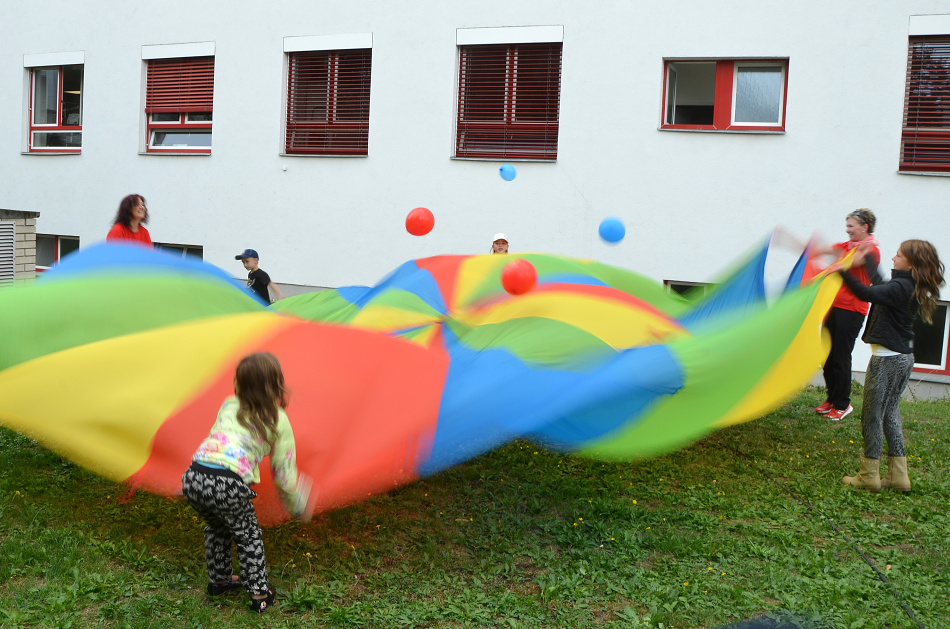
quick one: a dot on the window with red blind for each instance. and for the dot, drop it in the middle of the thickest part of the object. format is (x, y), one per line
(508, 102)
(178, 101)
(925, 138)
(328, 102)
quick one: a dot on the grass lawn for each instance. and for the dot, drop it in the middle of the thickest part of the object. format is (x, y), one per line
(751, 522)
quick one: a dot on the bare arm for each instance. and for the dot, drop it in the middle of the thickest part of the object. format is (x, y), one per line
(276, 290)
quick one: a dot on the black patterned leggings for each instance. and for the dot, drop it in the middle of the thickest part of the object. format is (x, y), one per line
(225, 504)
(881, 414)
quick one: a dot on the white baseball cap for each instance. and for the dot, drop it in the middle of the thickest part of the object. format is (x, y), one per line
(500, 236)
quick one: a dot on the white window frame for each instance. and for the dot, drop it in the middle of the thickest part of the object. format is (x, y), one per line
(735, 88)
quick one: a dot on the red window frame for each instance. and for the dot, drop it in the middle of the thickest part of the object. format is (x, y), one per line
(925, 135)
(724, 96)
(183, 86)
(509, 101)
(57, 249)
(59, 126)
(328, 102)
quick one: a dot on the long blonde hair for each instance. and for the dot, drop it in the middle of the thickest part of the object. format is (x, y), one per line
(927, 270)
(260, 390)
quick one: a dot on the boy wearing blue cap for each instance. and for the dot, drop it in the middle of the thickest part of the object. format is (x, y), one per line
(257, 279)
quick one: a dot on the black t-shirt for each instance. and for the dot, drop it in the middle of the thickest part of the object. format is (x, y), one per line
(258, 281)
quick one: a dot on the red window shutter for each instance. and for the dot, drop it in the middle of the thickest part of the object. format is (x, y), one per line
(925, 140)
(180, 85)
(509, 97)
(328, 102)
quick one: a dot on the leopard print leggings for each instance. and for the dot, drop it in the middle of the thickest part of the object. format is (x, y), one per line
(881, 414)
(224, 502)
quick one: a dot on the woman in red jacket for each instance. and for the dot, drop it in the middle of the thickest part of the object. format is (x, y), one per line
(847, 314)
(130, 221)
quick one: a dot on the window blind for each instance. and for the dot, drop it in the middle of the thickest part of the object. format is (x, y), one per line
(925, 139)
(509, 98)
(180, 85)
(328, 102)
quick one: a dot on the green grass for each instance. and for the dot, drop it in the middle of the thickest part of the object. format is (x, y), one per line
(752, 521)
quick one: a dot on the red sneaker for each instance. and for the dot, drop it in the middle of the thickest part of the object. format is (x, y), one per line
(825, 408)
(837, 414)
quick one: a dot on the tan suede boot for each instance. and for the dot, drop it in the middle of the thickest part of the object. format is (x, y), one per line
(868, 478)
(896, 477)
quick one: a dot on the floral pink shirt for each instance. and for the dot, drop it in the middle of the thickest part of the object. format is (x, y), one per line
(236, 448)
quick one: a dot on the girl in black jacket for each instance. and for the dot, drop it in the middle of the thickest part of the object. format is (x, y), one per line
(914, 287)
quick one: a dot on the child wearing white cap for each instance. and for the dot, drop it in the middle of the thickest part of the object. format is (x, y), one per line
(499, 243)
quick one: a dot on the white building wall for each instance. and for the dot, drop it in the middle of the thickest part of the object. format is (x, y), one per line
(692, 202)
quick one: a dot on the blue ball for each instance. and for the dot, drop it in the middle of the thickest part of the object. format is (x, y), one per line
(507, 172)
(612, 230)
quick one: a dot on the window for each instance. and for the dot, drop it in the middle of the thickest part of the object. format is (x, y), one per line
(178, 103)
(930, 342)
(725, 95)
(508, 101)
(925, 138)
(328, 102)
(51, 249)
(7, 253)
(56, 109)
(182, 251)
(687, 289)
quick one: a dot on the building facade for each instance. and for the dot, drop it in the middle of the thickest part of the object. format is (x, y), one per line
(308, 131)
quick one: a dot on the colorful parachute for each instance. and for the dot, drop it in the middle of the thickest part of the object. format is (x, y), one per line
(119, 358)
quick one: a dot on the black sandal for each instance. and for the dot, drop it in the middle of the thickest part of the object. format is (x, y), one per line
(260, 604)
(217, 589)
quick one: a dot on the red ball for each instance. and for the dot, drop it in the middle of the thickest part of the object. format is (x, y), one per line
(420, 221)
(518, 277)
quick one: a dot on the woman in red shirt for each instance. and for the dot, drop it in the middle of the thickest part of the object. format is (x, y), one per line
(847, 314)
(130, 221)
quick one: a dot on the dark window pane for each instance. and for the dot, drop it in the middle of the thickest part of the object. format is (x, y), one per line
(57, 140)
(72, 95)
(67, 246)
(928, 338)
(45, 250)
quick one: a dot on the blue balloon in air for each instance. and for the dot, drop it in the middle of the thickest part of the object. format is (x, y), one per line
(507, 172)
(612, 230)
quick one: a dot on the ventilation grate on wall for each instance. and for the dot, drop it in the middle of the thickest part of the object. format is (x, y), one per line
(7, 253)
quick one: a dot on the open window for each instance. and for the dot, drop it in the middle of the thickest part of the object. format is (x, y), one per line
(725, 95)
(50, 249)
(56, 109)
